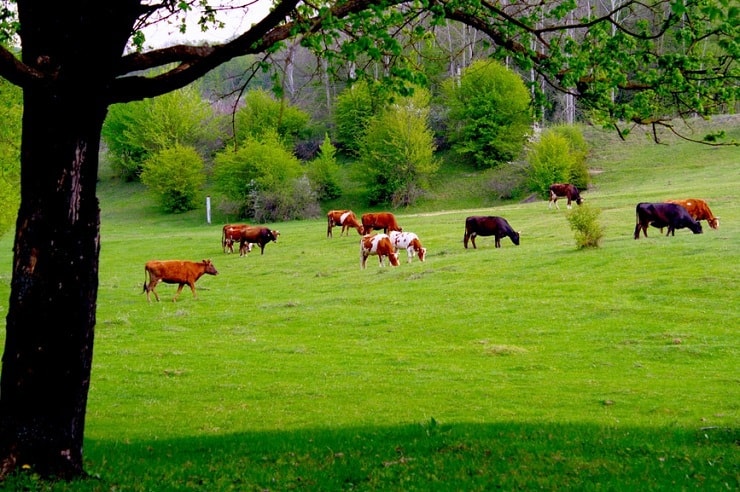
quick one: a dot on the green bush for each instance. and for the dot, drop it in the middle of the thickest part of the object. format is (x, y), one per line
(323, 172)
(397, 151)
(353, 110)
(175, 175)
(584, 222)
(489, 114)
(550, 161)
(263, 113)
(578, 174)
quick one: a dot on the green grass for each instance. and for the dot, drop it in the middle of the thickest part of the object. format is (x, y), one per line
(530, 367)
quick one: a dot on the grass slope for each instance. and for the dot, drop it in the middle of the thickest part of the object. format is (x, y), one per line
(537, 366)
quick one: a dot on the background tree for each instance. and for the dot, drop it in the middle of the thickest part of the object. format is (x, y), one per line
(489, 114)
(135, 131)
(262, 113)
(397, 151)
(175, 175)
(323, 172)
(354, 108)
(550, 161)
(75, 64)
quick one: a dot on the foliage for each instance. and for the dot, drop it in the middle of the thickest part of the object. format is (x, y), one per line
(353, 110)
(260, 165)
(175, 175)
(397, 151)
(323, 172)
(262, 113)
(135, 131)
(11, 111)
(293, 202)
(550, 161)
(584, 222)
(578, 173)
(489, 114)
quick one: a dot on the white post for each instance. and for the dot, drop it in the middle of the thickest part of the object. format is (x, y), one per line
(208, 208)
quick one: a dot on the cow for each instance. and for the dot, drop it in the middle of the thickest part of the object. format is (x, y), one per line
(662, 215)
(564, 190)
(489, 226)
(408, 241)
(231, 233)
(256, 235)
(379, 245)
(380, 220)
(345, 218)
(179, 272)
(699, 210)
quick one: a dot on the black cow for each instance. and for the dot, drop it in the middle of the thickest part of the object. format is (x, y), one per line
(256, 235)
(662, 215)
(489, 226)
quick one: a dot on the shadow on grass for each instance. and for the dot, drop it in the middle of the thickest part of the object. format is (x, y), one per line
(429, 456)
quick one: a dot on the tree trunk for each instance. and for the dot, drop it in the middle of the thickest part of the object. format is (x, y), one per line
(51, 316)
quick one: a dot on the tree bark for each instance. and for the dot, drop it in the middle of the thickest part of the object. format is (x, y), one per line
(71, 55)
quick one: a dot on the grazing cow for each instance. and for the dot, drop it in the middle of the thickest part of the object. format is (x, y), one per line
(564, 189)
(662, 215)
(408, 241)
(381, 220)
(231, 233)
(344, 218)
(699, 210)
(379, 245)
(256, 235)
(489, 226)
(175, 272)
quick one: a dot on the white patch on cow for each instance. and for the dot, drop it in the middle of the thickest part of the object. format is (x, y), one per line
(343, 217)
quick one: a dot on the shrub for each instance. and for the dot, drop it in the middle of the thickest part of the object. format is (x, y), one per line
(550, 161)
(489, 114)
(578, 173)
(175, 176)
(352, 113)
(398, 151)
(323, 172)
(584, 222)
(263, 113)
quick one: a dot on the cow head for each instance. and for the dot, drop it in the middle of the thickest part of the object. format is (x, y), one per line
(579, 200)
(393, 258)
(514, 237)
(209, 267)
(275, 235)
(714, 222)
(421, 253)
(696, 227)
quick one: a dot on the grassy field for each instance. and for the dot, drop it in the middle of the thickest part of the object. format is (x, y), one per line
(536, 366)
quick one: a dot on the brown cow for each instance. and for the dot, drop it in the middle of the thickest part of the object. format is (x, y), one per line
(564, 189)
(699, 210)
(344, 218)
(175, 272)
(380, 245)
(379, 220)
(410, 242)
(231, 234)
(255, 235)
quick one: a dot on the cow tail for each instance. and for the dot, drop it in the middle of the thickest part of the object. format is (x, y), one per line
(145, 279)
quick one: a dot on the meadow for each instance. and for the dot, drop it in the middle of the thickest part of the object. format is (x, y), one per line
(537, 366)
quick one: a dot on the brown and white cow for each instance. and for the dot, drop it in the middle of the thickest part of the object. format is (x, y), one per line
(345, 218)
(179, 272)
(699, 210)
(379, 220)
(256, 235)
(662, 215)
(564, 190)
(410, 242)
(231, 234)
(379, 245)
(488, 226)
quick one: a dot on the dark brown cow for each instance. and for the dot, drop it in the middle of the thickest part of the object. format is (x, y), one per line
(489, 226)
(345, 218)
(256, 235)
(662, 215)
(699, 210)
(231, 234)
(380, 245)
(175, 272)
(564, 190)
(380, 220)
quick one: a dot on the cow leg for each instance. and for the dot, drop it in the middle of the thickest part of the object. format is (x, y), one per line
(192, 289)
(328, 228)
(569, 205)
(671, 231)
(639, 227)
(497, 241)
(472, 240)
(177, 294)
